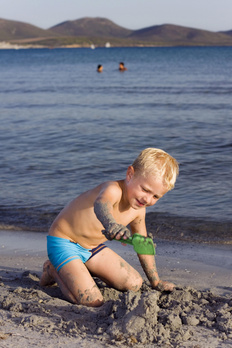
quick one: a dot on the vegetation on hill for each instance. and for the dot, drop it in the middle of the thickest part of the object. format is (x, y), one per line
(87, 31)
(179, 35)
(13, 30)
(95, 27)
(229, 32)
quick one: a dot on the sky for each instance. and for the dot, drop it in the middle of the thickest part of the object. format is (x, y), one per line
(213, 15)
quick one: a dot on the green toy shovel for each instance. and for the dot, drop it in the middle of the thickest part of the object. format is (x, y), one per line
(142, 245)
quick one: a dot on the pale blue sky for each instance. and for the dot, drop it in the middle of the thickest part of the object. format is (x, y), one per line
(214, 15)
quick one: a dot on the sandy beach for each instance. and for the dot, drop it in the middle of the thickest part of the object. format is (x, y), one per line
(197, 314)
(64, 130)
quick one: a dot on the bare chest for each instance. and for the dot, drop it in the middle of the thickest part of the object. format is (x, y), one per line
(125, 217)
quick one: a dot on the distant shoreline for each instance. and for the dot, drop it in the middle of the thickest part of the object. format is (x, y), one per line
(10, 46)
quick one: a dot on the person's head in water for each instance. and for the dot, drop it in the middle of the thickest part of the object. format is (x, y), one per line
(99, 68)
(122, 67)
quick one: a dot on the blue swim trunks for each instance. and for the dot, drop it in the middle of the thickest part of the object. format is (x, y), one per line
(62, 251)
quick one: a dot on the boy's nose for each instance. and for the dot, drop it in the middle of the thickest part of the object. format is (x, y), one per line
(147, 199)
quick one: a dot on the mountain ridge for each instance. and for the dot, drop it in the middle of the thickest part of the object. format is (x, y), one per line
(87, 26)
(13, 30)
(86, 31)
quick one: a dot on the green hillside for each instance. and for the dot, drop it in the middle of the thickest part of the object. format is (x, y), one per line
(86, 31)
(13, 30)
(178, 35)
(91, 27)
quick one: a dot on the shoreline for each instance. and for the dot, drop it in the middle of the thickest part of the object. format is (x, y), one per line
(160, 225)
(21, 46)
(189, 229)
(184, 262)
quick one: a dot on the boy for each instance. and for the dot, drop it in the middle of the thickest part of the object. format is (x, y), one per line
(75, 238)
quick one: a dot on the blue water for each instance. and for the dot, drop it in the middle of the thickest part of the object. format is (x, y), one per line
(65, 128)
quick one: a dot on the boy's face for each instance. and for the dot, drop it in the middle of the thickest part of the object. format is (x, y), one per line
(143, 191)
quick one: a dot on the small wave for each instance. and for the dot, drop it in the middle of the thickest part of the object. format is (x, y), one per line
(225, 145)
(5, 227)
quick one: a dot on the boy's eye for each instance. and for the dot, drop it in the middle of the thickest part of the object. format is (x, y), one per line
(145, 190)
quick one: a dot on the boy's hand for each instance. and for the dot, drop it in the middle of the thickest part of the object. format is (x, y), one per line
(164, 286)
(117, 231)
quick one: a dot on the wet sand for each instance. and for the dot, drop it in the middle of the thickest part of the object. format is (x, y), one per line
(197, 314)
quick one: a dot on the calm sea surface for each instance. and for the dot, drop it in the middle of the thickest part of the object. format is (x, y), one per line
(65, 128)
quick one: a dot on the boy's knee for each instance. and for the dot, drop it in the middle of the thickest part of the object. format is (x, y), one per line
(90, 299)
(93, 303)
(135, 283)
(138, 283)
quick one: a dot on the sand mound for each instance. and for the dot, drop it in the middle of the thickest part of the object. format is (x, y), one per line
(178, 319)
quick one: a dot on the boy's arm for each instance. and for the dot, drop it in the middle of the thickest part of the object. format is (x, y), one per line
(149, 266)
(148, 261)
(103, 208)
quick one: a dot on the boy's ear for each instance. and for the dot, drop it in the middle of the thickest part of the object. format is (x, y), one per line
(130, 172)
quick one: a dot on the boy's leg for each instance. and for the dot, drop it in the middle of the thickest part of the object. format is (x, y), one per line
(78, 286)
(75, 282)
(47, 277)
(114, 271)
(50, 276)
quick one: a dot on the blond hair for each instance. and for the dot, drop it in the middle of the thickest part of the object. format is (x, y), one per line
(159, 163)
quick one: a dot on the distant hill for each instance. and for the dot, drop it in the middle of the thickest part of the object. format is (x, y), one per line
(86, 31)
(229, 32)
(160, 34)
(13, 30)
(178, 35)
(91, 27)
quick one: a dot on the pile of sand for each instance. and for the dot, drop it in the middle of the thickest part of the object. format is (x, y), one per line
(184, 318)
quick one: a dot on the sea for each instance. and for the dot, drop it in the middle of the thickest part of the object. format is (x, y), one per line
(65, 128)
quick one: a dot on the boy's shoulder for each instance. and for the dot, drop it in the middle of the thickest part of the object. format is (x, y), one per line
(110, 191)
(112, 186)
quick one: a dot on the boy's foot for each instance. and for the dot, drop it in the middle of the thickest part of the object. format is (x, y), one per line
(47, 277)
